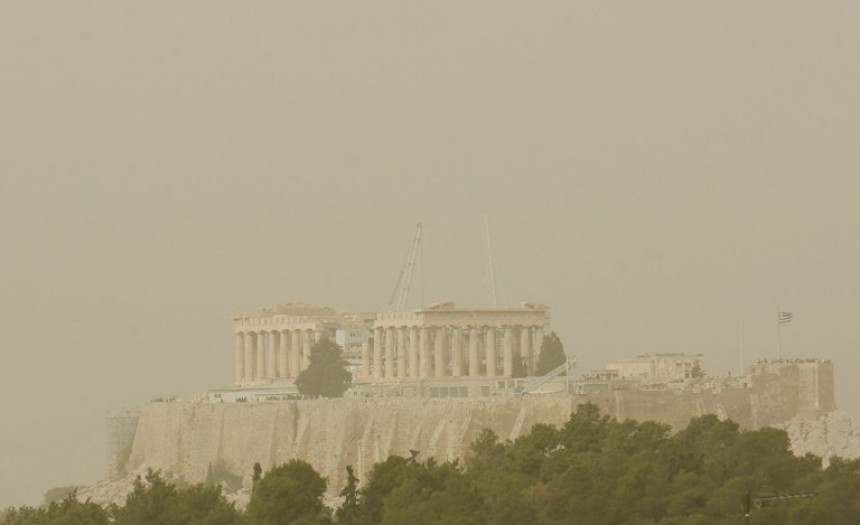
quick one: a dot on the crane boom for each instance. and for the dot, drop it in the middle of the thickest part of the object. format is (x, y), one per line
(490, 275)
(401, 290)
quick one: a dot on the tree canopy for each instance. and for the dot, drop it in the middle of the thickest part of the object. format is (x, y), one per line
(155, 501)
(591, 470)
(288, 495)
(551, 354)
(326, 374)
(68, 511)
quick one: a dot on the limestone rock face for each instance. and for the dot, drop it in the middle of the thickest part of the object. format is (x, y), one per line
(193, 438)
(184, 438)
(115, 491)
(833, 434)
(198, 440)
(190, 439)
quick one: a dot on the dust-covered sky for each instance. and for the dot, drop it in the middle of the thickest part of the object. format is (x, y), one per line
(661, 173)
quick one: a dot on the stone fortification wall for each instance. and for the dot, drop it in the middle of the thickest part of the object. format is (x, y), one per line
(803, 387)
(187, 439)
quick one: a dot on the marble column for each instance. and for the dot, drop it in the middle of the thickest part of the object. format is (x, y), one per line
(508, 357)
(439, 353)
(260, 358)
(283, 354)
(474, 363)
(272, 355)
(401, 352)
(240, 359)
(389, 353)
(365, 361)
(424, 353)
(525, 349)
(249, 356)
(377, 353)
(295, 353)
(413, 351)
(306, 348)
(456, 354)
(490, 351)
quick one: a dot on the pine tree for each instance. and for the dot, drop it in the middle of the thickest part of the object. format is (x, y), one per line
(551, 354)
(348, 512)
(326, 374)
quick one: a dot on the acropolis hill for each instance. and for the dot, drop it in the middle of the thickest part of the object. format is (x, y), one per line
(430, 380)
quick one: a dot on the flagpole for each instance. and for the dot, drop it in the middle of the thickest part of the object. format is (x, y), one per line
(781, 317)
(741, 320)
(778, 342)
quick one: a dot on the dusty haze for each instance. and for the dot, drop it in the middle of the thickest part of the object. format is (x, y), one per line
(659, 173)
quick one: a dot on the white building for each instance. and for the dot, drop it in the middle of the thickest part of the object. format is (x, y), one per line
(656, 367)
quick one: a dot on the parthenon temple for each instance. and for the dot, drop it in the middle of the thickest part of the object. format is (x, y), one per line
(438, 341)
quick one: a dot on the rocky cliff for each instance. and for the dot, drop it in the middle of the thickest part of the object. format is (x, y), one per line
(198, 440)
(191, 439)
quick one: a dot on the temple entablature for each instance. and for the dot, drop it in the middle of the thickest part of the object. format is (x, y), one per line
(274, 343)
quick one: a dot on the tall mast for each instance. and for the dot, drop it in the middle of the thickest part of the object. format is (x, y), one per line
(489, 266)
(404, 281)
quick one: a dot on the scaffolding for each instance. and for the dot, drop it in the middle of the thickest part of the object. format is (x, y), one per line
(121, 428)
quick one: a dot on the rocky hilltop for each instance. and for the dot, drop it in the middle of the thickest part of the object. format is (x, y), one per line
(204, 441)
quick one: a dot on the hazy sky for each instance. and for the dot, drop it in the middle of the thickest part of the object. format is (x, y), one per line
(660, 173)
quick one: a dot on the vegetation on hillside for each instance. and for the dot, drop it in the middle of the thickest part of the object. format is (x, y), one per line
(592, 470)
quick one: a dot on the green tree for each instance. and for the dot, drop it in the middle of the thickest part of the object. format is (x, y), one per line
(551, 354)
(155, 501)
(326, 374)
(586, 429)
(288, 494)
(697, 372)
(257, 475)
(431, 493)
(384, 477)
(23, 515)
(594, 469)
(68, 511)
(152, 502)
(348, 513)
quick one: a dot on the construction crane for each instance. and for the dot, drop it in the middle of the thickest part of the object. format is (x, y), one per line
(401, 290)
(490, 267)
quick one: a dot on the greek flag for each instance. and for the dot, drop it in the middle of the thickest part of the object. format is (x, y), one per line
(784, 317)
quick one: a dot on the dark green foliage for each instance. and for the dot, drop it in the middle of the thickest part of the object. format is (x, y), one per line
(288, 494)
(258, 473)
(403, 490)
(591, 470)
(67, 511)
(551, 354)
(326, 374)
(595, 470)
(384, 478)
(697, 372)
(154, 501)
(349, 511)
